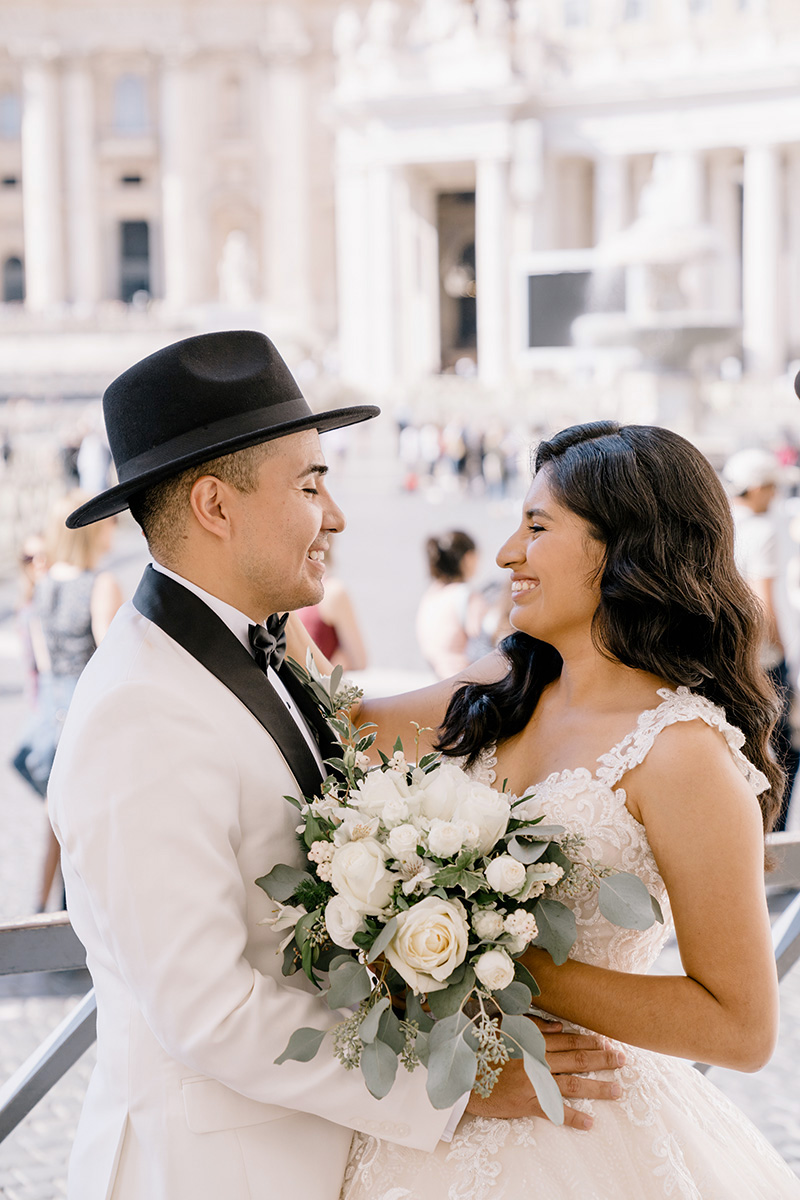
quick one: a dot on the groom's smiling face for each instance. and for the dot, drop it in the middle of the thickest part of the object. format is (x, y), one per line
(281, 528)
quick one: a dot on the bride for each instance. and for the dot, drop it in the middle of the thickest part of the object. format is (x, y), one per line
(631, 702)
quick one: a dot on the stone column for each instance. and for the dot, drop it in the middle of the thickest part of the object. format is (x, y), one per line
(612, 206)
(763, 333)
(41, 187)
(352, 260)
(177, 181)
(491, 269)
(84, 288)
(286, 230)
(382, 243)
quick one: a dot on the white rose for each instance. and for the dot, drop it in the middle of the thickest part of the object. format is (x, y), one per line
(358, 872)
(341, 922)
(485, 808)
(395, 811)
(487, 923)
(444, 838)
(440, 792)
(377, 790)
(470, 833)
(495, 970)
(429, 943)
(505, 874)
(403, 840)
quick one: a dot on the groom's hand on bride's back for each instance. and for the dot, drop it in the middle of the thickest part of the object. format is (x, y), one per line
(569, 1056)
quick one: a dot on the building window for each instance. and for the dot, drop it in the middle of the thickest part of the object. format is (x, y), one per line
(131, 116)
(10, 181)
(635, 10)
(576, 12)
(10, 115)
(130, 180)
(134, 272)
(13, 281)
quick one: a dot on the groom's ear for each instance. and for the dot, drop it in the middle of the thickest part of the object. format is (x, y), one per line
(211, 502)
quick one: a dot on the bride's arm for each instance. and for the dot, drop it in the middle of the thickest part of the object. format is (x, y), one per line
(394, 715)
(704, 826)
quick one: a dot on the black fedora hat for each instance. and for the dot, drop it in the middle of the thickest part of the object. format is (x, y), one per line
(195, 400)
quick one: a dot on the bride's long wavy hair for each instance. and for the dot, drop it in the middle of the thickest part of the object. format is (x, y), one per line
(671, 599)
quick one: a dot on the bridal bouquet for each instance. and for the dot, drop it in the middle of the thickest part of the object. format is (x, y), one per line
(422, 890)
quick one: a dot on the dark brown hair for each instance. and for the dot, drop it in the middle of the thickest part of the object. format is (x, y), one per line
(671, 599)
(446, 553)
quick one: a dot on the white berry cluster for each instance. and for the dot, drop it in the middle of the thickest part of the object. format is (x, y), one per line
(321, 853)
(521, 924)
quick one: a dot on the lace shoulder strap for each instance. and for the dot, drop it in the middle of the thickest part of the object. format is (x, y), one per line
(679, 705)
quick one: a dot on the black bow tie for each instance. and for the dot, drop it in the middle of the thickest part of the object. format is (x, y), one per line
(269, 645)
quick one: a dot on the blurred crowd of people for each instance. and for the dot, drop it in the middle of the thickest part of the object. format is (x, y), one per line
(485, 459)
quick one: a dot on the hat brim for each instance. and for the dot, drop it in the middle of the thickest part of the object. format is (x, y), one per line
(115, 500)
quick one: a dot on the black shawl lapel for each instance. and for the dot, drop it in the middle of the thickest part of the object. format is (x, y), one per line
(187, 620)
(328, 745)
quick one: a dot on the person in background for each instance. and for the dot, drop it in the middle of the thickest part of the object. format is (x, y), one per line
(70, 611)
(32, 563)
(752, 478)
(334, 626)
(450, 612)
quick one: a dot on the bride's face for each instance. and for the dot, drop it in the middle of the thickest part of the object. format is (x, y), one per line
(555, 566)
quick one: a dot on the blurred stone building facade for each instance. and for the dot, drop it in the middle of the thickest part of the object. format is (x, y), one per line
(393, 188)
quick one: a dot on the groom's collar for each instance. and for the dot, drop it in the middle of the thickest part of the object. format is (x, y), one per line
(237, 622)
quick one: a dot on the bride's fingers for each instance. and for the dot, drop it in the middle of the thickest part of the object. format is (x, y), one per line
(577, 1087)
(575, 1061)
(575, 1119)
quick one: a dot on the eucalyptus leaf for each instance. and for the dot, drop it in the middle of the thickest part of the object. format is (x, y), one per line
(421, 1048)
(556, 854)
(657, 913)
(383, 939)
(523, 975)
(304, 926)
(526, 854)
(539, 833)
(557, 929)
(625, 901)
(415, 1012)
(281, 881)
(514, 999)
(449, 1000)
(451, 1064)
(289, 965)
(302, 1045)
(368, 1028)
(389, 1030)
(379, 1067)
(545, 1086)
(349, 985)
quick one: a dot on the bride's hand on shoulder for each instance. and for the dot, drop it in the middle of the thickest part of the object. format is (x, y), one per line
(569, 1056)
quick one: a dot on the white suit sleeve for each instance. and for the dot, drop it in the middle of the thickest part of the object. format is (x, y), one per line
(148, 815)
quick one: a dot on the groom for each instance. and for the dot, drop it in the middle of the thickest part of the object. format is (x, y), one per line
(167, 796)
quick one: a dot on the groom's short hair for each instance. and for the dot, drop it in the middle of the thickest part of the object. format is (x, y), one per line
(162, 509)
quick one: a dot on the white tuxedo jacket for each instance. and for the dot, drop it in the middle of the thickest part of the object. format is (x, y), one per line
(167, 799)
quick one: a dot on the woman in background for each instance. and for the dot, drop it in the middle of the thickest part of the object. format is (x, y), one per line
(71, 609)
(450, 612)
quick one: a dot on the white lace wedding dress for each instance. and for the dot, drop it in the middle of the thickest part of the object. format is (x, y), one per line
(672, 1134)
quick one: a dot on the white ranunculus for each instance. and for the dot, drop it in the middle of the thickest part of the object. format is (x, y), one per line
(505, 874)
(485, 808)
(487, 923)
(444, 838)
(377, 790)
(342, 921)
(358, 872)
(429, 943)
(403, 840)
(441, 791)
(495, 970)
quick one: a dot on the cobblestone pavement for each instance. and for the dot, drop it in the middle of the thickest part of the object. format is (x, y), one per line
(384, 537)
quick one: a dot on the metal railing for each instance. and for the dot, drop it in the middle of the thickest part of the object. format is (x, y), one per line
(48, 943)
